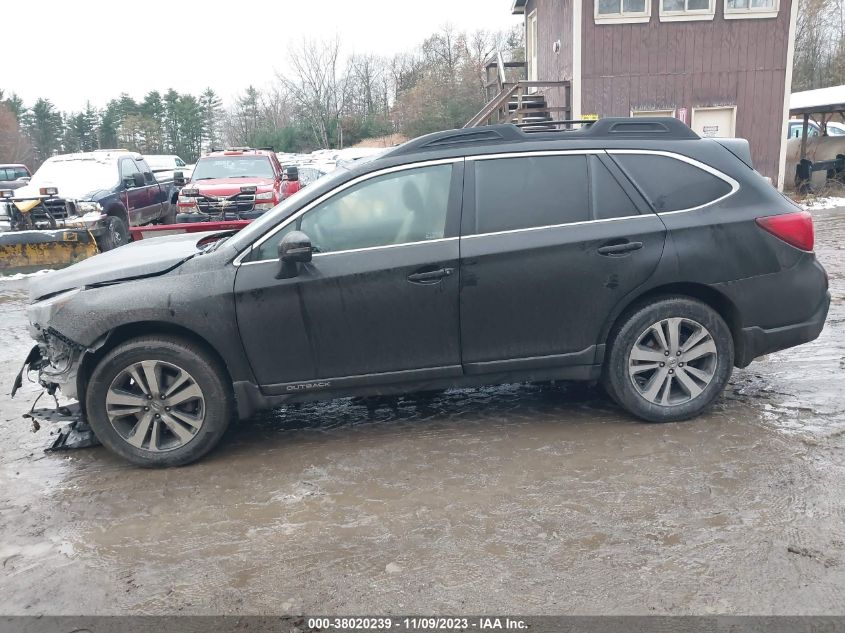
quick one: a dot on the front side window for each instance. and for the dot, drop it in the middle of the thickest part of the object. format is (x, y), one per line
(737, 9)
(687, 10)
(622, 11)
(128, 169)
(530, 191)
(398, 208)
(671, 184)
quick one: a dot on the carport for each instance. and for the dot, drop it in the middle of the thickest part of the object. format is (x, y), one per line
(822, 106)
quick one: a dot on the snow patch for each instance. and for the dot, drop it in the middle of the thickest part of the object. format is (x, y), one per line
(817, 204)
(17, 276)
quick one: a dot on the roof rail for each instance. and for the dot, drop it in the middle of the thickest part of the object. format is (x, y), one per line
(454, 138)
(663, 128)
(641, 127)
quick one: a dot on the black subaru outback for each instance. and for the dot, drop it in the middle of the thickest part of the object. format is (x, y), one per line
(631, 252)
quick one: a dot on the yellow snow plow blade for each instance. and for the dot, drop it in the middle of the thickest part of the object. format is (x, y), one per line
(28, 251)
(25, 206)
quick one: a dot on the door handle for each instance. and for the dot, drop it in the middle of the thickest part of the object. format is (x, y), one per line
(430, 276)
(620, 249)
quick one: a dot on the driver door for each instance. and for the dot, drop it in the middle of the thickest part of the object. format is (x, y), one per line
(377, 304)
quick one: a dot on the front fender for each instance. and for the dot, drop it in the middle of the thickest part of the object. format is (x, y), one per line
(194, 297)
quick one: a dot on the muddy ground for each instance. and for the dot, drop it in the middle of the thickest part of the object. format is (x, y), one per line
(517, 499)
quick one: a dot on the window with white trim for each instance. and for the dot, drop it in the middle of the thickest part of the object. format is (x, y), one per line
(687, 10)
(615, 11)
(739, 9)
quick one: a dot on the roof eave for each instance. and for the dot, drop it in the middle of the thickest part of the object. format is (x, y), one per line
(518, 7)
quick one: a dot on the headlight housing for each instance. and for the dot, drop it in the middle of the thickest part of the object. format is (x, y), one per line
(267, 195)
(88, 207)
(41, 312)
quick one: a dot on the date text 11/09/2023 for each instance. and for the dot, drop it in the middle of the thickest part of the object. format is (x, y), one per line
(417, 624)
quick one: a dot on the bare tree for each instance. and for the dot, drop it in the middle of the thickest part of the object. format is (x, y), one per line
(318, 88)
(15, 147)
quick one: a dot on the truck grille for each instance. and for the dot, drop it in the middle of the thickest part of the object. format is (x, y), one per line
(238, 203)
(55, 207)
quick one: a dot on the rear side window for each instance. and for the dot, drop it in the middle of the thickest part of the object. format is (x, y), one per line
(671, 184)
(530, 191)
(609, 199)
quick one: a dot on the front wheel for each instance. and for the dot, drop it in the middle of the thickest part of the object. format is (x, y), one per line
(116, 234)
(669, 360)
(159, 401)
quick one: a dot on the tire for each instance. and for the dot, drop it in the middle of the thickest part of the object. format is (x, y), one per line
(637, 378)
(115, 235)
(179, 427)
(169, 217)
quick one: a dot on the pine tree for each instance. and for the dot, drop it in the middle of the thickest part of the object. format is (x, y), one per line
(44, 126)
(212, 112)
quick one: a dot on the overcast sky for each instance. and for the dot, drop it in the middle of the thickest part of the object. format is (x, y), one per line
(74, 51)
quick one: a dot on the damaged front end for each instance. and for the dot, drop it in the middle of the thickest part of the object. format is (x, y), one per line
(57, 359)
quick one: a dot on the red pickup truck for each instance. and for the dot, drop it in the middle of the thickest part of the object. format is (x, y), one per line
(234, 184)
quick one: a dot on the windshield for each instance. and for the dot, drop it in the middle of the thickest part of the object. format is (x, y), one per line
(233, 167)
(278, 213)
(75, 177)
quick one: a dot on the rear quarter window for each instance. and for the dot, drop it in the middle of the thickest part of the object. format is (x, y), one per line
(671, 184)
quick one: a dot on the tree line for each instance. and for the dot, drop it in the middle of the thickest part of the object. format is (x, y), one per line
(819, 45)
(323, 99)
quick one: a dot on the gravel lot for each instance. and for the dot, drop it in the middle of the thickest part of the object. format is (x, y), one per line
(517, 499)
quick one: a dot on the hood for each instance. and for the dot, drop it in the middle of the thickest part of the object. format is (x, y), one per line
(67, 191)
(145, 258)
(231, 186)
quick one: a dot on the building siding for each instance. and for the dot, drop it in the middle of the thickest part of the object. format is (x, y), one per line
(672, 65)
(554, 22)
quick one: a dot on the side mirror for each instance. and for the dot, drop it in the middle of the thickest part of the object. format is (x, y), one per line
(179, 179)
(24, 179)
(137, 180)
(294, 249)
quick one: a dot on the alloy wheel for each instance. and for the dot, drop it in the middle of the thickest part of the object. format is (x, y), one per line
(672, 361)
(155, 406)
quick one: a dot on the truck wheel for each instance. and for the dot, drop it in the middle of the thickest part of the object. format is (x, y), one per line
(116, 234)
(169, 216)
(159, 401)
(669, 360)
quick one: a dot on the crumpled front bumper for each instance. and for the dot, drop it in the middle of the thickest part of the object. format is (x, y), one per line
(57, 360)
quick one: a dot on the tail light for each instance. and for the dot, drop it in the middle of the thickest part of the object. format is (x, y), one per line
(793, 228)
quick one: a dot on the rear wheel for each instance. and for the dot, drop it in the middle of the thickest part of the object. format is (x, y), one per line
(169, 216)
(669, 360)
(116, 234)
(159, 401)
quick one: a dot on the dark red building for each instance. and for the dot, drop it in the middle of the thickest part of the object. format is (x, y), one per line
(722, 66)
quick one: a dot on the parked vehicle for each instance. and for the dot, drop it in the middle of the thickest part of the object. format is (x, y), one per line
(631, 252)
(310, 173)
(234, 184)
(819, 149)
(796, 129)
(73, 197)
(164, 165)
(13, 176)
(290, 181)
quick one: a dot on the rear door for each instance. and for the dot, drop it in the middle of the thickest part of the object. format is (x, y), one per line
(551, 242)
(378, 303)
